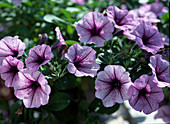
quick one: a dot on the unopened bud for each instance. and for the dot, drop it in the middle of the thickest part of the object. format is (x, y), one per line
(60, 44)
(43, 38)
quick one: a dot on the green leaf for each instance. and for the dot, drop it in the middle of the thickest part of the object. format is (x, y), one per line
(66, 13)
(165, 89)
(70, 30)
(67, 114)
(52, 18)
(59, 101)
(4, 104)
(2, 4)
(27, 3)
(83, 105)
(71, 42)
(73, 10)
(66, 82)
(14, 117)
(49, 120)
(165, 17)
(97, 106)
(47, 71)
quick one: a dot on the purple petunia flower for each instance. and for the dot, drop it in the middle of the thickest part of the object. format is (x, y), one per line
(95, 28)
(148, 37)
(10, 69)
(11, 46)
(32, 88)
(141, 15)
(112, 85)
(164, 113)
(161, 68)
(17, 2)
(158, 8)
(82, 61)
(121, 18)
(60, 44)
(145, 95)
(38, 55)
(81, 2)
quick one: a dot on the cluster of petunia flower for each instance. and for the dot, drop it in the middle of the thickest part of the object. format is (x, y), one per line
(29, 85)
(113, 85)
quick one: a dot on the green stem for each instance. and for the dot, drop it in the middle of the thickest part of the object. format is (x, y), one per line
(117, 55)
(135, 66)
(132, 48)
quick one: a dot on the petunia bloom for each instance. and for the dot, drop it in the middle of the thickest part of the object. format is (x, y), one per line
(158, 8)
(17, 2)
(121, 18)
(112, 85)
(81, 2)
(10, 69)
(164, 113)
(148, 37)
(143, 15)
(82, 61)
(11, 46)
(32, 88)
(60, 44)
(161, 68)
(95, 28)
(38, 55)
(145, 94)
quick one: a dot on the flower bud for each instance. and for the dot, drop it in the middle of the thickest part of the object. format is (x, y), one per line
(43, 38)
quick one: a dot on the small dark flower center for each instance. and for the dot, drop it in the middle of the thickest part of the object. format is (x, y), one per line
(77, 64)
(15, 54)
(95, 31)
(35, 84)
(143, 92)
(145, 39)
(40, 60)
(116, 84)
(14, 69)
